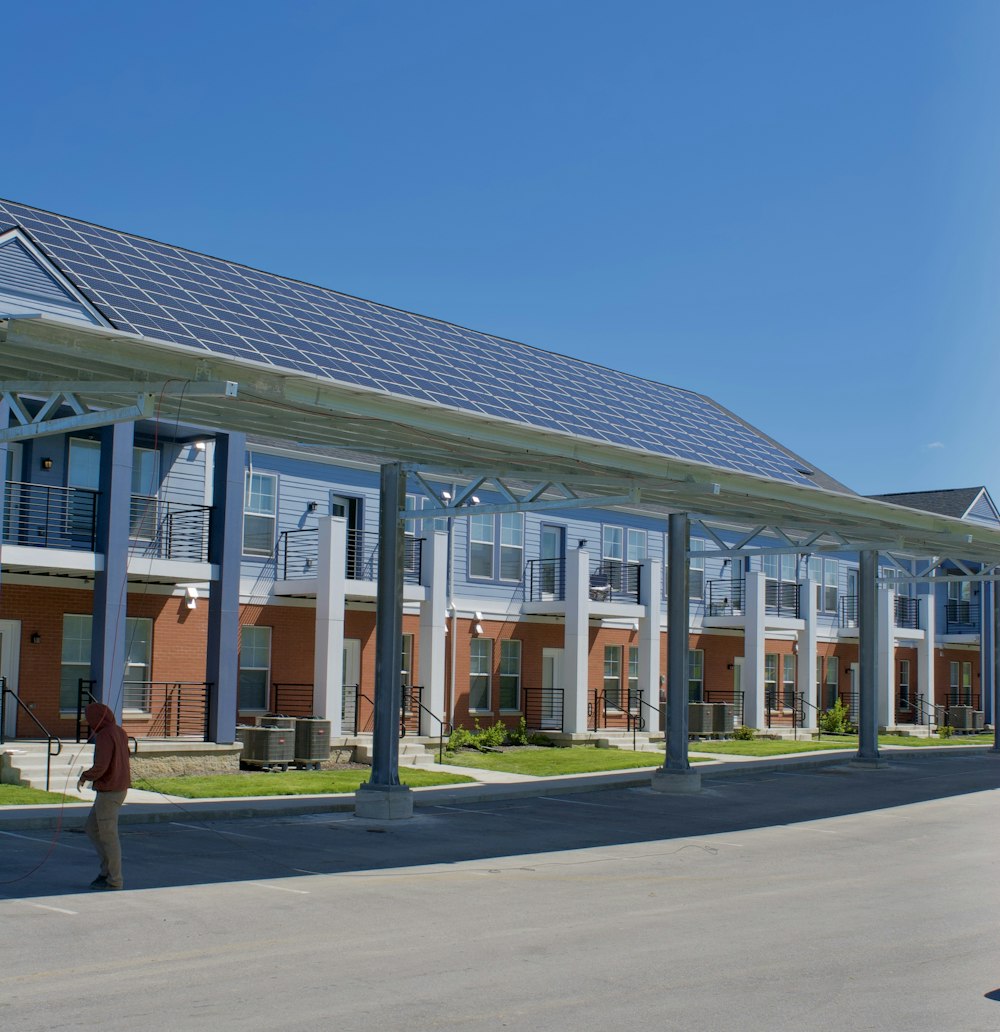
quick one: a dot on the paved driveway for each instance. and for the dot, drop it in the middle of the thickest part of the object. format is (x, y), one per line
(821, 899)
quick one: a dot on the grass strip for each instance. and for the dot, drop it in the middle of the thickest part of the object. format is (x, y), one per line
(287, 783)
(544, 763)
(17, 795)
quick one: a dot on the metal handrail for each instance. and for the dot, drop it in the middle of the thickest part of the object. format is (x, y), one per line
(803, 701)
(546, 580)
(442, 725)
(48, 516)
(732, 696)
(49, 737)
(959, 613)
(556, 695)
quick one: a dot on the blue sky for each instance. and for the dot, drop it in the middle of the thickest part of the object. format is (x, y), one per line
(790, 207)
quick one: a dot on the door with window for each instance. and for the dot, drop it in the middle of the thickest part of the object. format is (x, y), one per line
(351, 681)
(552, 690)
(349, 509)
(552, 551)
(10, 639)
(83, 478)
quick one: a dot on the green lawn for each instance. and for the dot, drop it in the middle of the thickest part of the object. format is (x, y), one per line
(286, 783)
(769, 747)
(15, 795)
(543, 763)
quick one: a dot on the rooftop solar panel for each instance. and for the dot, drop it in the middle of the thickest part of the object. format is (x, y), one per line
(201, 302)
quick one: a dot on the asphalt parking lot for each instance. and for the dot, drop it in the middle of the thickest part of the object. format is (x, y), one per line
(824, 898)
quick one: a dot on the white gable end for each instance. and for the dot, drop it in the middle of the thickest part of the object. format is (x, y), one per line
(30, 284)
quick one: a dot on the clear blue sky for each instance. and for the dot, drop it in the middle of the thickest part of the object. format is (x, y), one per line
(788, 206)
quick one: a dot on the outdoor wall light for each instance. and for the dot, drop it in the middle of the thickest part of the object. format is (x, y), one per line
(729, 666)
(582, 543)
(46, 464)
(312, 506)
(191, 597)
(36, 638)
(446, 495)
(200, 445)
(478, 628)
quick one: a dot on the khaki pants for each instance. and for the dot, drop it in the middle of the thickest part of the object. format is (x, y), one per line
(102, 830)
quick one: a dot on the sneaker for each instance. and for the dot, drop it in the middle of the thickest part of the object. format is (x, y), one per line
(100, 882)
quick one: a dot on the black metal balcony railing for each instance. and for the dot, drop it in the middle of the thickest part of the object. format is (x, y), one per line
(545, 580)
(543, 708)
(298, 554)
(169, 530)
(961, 617)
(907, 612)
(39, 516)
(848, 610)
(614, 581)
(725, 597)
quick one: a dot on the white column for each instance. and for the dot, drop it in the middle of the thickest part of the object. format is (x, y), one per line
(328, 671)
(433, 623)
(805, 671)
(577, 647)
(753, 651)
(885, 658)
(649, 643)
(925, 649)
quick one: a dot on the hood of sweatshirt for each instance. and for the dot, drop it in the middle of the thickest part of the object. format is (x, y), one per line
(98, 716)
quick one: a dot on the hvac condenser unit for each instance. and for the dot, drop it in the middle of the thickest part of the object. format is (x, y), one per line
(312, 741)
(273, 720)
(961, 718)
(699, 718)
(723, 718)
(270, 747)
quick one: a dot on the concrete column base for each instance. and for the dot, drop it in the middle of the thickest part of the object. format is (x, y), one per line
(383, 802)
(676, 782)
(859, 764)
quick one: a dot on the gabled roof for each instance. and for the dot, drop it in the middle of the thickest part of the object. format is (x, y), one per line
(960, 502)
(229, 310)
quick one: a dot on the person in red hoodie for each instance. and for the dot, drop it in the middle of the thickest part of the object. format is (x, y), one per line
(112, 777)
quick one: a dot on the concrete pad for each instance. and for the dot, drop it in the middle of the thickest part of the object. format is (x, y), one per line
(676, 782)
(383, 802)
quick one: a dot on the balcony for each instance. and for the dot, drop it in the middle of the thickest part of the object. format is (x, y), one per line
(614, 581)
(728, 598)
(169, 530)
(961, 617)
(906, 612)
(545, 580)
(298, 555)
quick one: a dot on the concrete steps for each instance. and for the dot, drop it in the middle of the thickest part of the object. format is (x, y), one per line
(624, 739)
(24, 763)
(413, 752)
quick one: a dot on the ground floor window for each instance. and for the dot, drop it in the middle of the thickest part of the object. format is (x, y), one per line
(832, 681)
(480, 673)
(255, 668)
(788, 681)
(510, 674)
(633, 676)
(696, 675)
(960, 684)
(613, 676)
(75, 663)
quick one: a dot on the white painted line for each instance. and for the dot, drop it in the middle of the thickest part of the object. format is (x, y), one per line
(55, 910)
(299, 870)
(577, 802)
(219, 831)
(46, 841)
(279, 888)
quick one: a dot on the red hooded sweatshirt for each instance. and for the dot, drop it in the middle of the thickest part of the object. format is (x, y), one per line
(110, 772)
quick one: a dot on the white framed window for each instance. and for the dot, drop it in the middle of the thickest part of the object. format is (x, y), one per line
(832, 681)
(481, 538)
(480, 674)
(612, 543)
(696, 569)
(788, 680)
(696, 675)
(635, 546)
(145, 489)
(612, 682)
(511, 546)
(77, 634)
(633, 677)
(260, 509)
(255, 669)
(510, 674)
(771, 680)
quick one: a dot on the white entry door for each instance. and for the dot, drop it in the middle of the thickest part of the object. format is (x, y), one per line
(10, 654)
(552, 682)
(351, 680)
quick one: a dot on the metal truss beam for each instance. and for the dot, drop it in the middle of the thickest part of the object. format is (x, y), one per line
(56, 397)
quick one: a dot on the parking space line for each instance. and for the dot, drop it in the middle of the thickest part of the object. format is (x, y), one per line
(279, 888)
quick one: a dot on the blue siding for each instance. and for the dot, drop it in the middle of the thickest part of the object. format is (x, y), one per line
(26, 287)
(982, 511)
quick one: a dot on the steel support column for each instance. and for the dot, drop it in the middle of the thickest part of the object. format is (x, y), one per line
(383, 796)
(225, 536)
(676, 774)
(868, 753)
(996, 671)
(108, 645)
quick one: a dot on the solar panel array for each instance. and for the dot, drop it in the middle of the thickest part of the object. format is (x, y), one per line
(227, 309)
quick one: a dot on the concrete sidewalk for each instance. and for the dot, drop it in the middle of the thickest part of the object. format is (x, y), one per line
(149, 807)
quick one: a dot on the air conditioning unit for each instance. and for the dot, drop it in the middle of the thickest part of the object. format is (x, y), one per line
(723, 718)
(312, 741)
(699, 718)
(272, 720)
(269, 748)
(961, 718)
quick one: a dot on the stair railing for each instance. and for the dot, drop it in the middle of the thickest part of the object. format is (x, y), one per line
(50, 738)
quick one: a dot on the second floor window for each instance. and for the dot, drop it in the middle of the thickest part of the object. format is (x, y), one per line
(486, 560)
(260, 508)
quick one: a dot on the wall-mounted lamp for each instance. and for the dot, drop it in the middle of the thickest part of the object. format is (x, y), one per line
(191, 597)
(729, 666)
(582, 543)
(312, 506)
(795, 648)
(46, 464)
(36, 638)
(478, 628)
(200, 445)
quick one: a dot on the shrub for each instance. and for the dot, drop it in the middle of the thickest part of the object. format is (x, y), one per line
(945, 731)
(518, 735)
(837, 720)
(490, 737)
(744, 734)
(460, 739)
